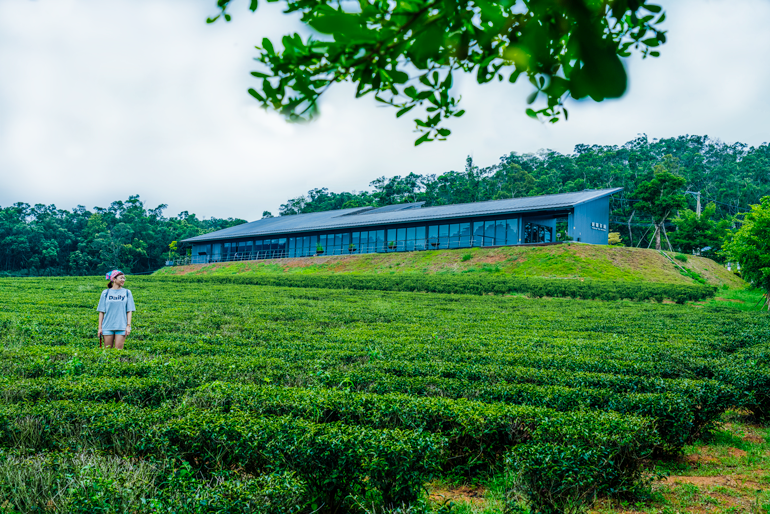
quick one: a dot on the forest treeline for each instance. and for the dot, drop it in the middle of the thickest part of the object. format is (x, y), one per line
(44, 240)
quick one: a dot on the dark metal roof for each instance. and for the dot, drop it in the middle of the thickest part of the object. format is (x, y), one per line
(408, 213)
(395, 207)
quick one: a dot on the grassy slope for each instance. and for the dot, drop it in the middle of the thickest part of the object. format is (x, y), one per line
(561, 261)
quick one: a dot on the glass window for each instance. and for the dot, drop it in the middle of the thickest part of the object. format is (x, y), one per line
(292, 247)
(399, 240)
(535, 233)
(381, 240)
(312, 246)
(419, 238)
(433, 236)
(500, 232)
(511, 232)
(410, 234)
(478, 233)
(338, 240)
(465, 235)
(391, 239)
(443, 236)
(322, 240)
(346, 240)
(363, 242)
(409, 245)
(489, 233)
(355, 238)
(249, 248)
(454, 235)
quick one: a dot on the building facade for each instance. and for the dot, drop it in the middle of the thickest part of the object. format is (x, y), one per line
(582, 217)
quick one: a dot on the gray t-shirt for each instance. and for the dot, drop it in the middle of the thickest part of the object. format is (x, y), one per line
(115, 303)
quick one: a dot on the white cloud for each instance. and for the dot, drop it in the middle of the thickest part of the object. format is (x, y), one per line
(100, 100)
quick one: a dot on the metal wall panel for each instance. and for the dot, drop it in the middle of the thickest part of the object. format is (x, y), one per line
(590, 221)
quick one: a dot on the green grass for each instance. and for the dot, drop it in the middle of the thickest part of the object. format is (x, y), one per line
(746, 299)
(581, 261)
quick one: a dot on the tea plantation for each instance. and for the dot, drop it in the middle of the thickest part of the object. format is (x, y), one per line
(245, 397)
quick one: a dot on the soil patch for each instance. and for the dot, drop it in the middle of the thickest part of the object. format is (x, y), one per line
(723, 480)
(732, 481)
(463, 493)
(753, 439)
(696, 459)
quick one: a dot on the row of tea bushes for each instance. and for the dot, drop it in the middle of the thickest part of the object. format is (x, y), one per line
(478, 433)
(475, 285)
(683, 408)
(679, 417)
(711, 396)
(90, 482)
(336, 462)
(674, 415)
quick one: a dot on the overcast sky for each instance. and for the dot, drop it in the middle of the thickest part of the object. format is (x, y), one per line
(101, 100)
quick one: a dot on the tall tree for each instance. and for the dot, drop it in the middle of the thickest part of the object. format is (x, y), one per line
(694, 232)
(750, 247)
(660, 198)
(398, 189)
(407, 53)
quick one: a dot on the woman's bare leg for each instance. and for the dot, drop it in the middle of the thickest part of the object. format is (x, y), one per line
(119, 340)
(108, 340)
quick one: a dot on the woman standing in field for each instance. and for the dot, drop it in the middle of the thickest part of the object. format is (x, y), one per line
(116, 305)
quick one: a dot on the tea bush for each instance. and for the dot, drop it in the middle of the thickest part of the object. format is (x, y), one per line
(233, 396)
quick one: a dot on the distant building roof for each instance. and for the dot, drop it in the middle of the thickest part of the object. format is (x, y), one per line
(400, 213)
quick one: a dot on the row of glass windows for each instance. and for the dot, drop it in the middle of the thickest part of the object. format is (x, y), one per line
(409, 239)
(398, 239)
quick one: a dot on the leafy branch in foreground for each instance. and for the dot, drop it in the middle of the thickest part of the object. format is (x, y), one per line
(406, 53)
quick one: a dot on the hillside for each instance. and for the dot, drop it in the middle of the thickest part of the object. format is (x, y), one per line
(573, 261)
